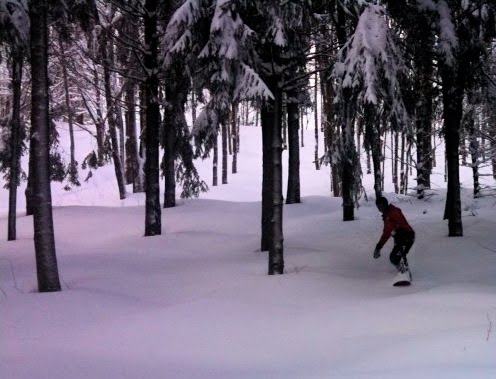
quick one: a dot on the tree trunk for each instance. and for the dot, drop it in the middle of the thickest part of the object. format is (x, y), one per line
(193, 106)
(235, 137)
(402, 165)
(176, 92)
(153, 221)
(276, 252)
(452, 112)
(224, 152)
(133, 175)
(473, 141)
(347, 161)
(107, 57)
(99, 124)
(374, 145)
(301, 129)
(424, 130)
(316, 152)
(395, 162)
(29, 191)
(72, 170)
(268, 120)
(15, 141)
(215, 163)
(330, 131)
(44, 238)
(293, 190)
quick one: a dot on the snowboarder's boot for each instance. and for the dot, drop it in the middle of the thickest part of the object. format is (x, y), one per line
(402, 267)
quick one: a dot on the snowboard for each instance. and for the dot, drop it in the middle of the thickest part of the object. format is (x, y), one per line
(402, 279)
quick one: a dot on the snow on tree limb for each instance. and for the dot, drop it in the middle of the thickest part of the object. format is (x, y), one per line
(14, 22)
(370, 64)
(448, 40)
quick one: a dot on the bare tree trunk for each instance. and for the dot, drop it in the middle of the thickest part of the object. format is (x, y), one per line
(235, 137)
(215, 163)
(452, 112)
(153, 213)
(224, 152)
(15, 141)
(133, 174)
(395, 163)
(301, 129)
(293, 190)
(402, 167)
(99, 124)
(44, 236)
(193, 106)
(473, 141)
(373, 142)
(107, 57)
(176, 92)
(169, 158)
(276, 250)
(316, 154)
(267, 117)
(73, 170)
(347, 168)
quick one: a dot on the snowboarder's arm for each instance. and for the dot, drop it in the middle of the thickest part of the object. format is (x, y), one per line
(388, 229)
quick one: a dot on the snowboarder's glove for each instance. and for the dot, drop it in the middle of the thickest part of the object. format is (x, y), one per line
(377, 253)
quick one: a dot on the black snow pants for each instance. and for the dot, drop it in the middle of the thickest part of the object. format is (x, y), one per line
(403, 242)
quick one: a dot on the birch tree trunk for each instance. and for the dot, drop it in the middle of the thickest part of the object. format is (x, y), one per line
(153, 214)
(44, 237)
(15, 142)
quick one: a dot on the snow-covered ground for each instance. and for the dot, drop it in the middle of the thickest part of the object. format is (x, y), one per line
(197, 302)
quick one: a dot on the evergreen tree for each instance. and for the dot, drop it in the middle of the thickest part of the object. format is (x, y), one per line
(14, 31)
(367, 81)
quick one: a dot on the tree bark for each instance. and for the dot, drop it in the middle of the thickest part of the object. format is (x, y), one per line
(176, 92)
(452, 112)
(72, 170)
(267, 117)
(276, 250)
(215, 163)
(153, 221)
(293, 190)
(374, 145)
(44, 238)
(235, 137)
(224, 152)
(108, 62)
(473, 141)
(424, 124)
(347, 160)
(316, 133)
(133, 175)
(15, 142)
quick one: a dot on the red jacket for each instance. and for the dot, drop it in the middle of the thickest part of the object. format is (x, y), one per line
(393, 220)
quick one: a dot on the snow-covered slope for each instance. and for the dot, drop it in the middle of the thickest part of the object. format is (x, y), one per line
(197, 302)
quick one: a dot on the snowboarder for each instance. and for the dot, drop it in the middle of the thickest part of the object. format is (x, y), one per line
(395, 224)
